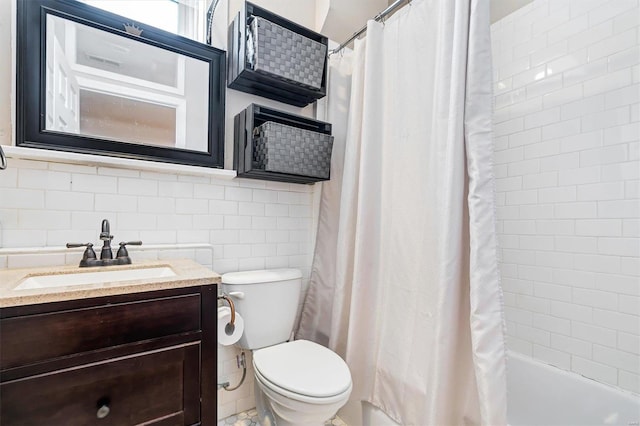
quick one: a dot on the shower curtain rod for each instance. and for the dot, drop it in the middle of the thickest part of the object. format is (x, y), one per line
(379, 17)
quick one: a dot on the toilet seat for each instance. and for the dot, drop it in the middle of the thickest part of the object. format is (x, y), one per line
(304, 371)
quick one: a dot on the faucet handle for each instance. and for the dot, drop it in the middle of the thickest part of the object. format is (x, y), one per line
(122, 251)
(88, 254)
(76, 245)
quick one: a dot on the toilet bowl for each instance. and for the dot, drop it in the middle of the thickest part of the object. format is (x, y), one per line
(296, 382)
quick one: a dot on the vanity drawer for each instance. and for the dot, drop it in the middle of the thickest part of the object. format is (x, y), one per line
(36, 338)
(154, 388)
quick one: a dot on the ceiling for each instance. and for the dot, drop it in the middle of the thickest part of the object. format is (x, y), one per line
(339, 19)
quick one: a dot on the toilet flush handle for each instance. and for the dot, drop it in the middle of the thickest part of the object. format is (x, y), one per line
(237, 294)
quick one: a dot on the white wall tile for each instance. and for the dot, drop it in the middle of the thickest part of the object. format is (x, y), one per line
(628, 343)
(593, 333)
(624, 59)
(592, 35)
(629, 381)
(583, 175)
(581, 226)
(594, 370)
(620, 359)
(572, 346)
(551, 356)
(617, 321)
(607, 82)
(601, 191)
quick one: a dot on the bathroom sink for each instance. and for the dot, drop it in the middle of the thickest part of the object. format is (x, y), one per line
(94, 277)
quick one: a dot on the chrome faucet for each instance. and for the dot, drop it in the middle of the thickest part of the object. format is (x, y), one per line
(106, 254)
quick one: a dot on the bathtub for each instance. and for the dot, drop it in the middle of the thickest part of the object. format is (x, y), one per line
(539, 395)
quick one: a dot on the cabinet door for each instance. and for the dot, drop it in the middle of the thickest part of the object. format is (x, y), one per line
(158, 387)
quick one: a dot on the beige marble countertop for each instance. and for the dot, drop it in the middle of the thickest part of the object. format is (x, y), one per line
(188, 274)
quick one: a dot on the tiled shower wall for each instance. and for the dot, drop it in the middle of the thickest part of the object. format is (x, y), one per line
(234, 225)
(566, 131)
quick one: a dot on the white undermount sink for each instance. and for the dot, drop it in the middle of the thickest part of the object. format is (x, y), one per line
(94, 277)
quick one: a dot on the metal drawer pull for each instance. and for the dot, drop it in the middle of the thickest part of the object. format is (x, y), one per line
(103, 408)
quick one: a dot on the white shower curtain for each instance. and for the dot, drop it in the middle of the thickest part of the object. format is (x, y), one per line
(404, 281)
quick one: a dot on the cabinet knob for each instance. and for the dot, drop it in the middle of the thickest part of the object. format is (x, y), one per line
(103, 408)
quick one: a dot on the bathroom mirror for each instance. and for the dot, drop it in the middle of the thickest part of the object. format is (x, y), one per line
(95, 82)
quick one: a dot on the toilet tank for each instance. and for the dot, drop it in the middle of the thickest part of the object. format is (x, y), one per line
(268, 302)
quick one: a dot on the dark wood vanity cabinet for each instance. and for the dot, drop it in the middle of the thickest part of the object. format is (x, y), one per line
(135, 359)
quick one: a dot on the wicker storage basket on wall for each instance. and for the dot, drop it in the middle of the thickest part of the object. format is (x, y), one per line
(285, 149)
(285, 54)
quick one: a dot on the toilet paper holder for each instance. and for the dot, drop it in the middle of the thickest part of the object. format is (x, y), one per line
(232, 322)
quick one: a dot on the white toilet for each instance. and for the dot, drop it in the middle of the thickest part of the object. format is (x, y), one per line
(298, 382)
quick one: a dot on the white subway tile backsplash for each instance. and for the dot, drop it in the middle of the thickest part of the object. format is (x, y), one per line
(601, 191)
(575, 278)
(580, 210)
(609, 10)
(585, 72)
(13, 198)
(624, 59)
(593, 333)
(570, 28)
(552, 291)
(628, 343)
(116, 203)
(625, 96)
(619, 246)
(592, 35)
(606, 119)
(630, 227)
(616, 358)
(620, 171)
(62, 200)
(594, 370)
(607, 82)
(606, 155)
(133, 186)
(552, 356)
(619, 209)
(599, 227)
(629, 381)
(630, 266)
(573, 244)
(616, 320)
(557, 195)
(595, 298)
(629, 305)
(536, 211)
(547, 54)
(561, 96)
(572, 346)
(545, 85)
(175, 189)
(43, 179)
(612, 45)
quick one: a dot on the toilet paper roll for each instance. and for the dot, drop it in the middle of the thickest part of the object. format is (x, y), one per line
(228, 335)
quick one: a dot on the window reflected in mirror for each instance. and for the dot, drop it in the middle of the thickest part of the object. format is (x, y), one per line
(111, 87)
(183, 17)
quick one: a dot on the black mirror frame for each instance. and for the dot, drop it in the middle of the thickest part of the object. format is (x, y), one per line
(31, 80)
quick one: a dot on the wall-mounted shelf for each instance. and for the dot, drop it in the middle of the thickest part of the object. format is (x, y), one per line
(245, 123)
(242, 77)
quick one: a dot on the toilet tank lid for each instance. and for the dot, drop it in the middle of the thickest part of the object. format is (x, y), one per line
(262, 276)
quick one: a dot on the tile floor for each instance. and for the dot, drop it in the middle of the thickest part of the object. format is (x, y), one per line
(250, 418)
